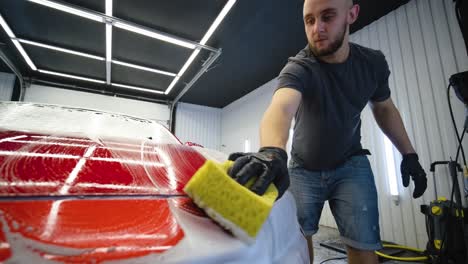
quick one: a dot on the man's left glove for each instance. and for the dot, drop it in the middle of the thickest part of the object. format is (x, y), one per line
(410, 166)
(269, 165)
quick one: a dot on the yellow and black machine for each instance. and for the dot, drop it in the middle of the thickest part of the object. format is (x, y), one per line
(446, 219)
(446, 226)
(446, 223)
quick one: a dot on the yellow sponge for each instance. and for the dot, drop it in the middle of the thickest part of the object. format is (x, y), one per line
(230, 204)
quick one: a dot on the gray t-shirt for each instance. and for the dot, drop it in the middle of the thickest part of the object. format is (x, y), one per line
(327, 130)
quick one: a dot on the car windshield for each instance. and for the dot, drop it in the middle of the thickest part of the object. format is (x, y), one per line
(73, 121)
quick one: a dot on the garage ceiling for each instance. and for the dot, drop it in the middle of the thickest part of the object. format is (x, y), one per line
(256, 38)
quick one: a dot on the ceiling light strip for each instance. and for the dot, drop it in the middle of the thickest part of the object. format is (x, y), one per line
(96, 16)
(71, 76)
(6, 27)
(182, 71)
(108, 42)
(18, 46)
(136, 88)
(173, 83)
(60, 49)
(108, 53)
(154, 34)
(42, 45)
(188, 62)
(140, 30)
(24, 54)
(109, 8)
(143, 68)
(69, 9)
(204, 40)
(217, 21)
(206, 65)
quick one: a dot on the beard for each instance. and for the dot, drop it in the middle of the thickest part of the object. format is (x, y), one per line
(332, 48)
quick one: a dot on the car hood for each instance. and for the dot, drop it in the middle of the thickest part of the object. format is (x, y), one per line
(76, 199)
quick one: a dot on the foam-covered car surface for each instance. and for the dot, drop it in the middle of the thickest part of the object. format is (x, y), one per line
(84, 186)
(72, 197)
(77, 200)
(40, 164)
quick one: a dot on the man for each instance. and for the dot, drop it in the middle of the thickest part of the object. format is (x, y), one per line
(326, 86)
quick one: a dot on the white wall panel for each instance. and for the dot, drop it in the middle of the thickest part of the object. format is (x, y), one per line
(199, 124)
(7, 82)
(241, 119)
(50, 95)
(423, 45)
(194, 123)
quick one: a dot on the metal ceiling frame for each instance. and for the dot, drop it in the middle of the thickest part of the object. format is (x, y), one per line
(110, 22)
(15, 70)
(204, 69)
(86, 89)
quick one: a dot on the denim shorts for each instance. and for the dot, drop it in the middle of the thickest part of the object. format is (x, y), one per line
(351, 194)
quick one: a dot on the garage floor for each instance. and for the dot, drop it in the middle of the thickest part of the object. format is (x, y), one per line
(327, 234)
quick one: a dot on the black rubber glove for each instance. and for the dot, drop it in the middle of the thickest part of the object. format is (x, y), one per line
(269, 164)
(410, 166)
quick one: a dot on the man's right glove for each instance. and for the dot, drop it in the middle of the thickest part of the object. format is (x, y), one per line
(410, 167)
(269, 165)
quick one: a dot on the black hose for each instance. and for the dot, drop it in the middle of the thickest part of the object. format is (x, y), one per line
(460, 142)
(455, 124)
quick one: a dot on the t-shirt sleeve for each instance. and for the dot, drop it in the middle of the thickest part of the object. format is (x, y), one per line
(382, 92)
(292, 76)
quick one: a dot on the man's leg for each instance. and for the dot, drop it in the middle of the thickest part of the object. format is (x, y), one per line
(353, 202)
(357, 256)
(311, 248)
(309, 194)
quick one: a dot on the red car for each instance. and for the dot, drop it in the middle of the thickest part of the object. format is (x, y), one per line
(85, 186)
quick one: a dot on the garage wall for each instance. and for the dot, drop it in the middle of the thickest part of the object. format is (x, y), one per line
(199, 124)
(7, 82)
(240, 120)
(51, 95)
(423, 46)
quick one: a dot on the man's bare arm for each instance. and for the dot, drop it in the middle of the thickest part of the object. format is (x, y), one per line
(389, 120)
(274, 128)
